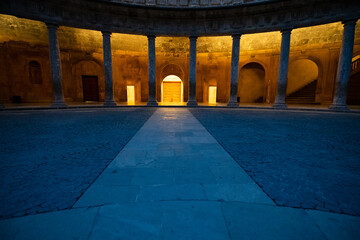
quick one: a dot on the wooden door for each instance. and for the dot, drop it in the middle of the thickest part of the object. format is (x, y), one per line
(90, 88)
(172, 92)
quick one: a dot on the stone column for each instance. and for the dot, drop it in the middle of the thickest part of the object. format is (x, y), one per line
(283, 69)
(234, 71)
(344, 66)
(152, 71)
(109, 92)
(55, 63)
(192, 73)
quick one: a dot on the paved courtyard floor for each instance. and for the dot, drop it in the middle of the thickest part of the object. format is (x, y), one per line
(172, 180)
(49, 158)
(300, 159)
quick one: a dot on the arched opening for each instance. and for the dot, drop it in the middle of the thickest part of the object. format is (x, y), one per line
(353, 93)
(172, 90)
(251, 83)
(302, 82)
(88, 85)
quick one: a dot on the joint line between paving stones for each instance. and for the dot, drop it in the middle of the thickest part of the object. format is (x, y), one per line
(226, 222)
(94, 222)
(316, 223)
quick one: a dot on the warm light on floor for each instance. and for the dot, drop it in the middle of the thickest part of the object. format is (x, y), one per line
(131, 95)
(212, 95)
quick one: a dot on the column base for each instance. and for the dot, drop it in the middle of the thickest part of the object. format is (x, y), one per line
(279, 105)
(233, 104)
(339, 107)
(110, 104)
(152, 103)
(58, 105)
(192, 103)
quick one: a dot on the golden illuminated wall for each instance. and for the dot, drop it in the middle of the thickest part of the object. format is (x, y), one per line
(16, 29)
(23, 40)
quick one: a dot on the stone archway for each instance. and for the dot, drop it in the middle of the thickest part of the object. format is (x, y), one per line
(302, 81)
(83, 71)
(172, 89)
(251, 87)
(171, 69)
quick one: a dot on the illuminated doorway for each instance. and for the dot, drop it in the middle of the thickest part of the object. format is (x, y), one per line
(172, 90)
(212, 95)
(131, 95)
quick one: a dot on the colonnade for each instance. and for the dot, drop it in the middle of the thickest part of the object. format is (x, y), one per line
(342, 77)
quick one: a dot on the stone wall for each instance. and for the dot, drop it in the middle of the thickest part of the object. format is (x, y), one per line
(219, 21)
(22, 41)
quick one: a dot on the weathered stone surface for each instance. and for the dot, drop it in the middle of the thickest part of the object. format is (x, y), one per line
(219, 200)
(23, 41)
(305, 160)
(272, 16)
(247, 221)
(68, 224)
(49, 158)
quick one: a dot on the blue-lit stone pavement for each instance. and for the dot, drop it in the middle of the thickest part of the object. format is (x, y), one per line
(173, 180)
(300, 159)
(49, 158)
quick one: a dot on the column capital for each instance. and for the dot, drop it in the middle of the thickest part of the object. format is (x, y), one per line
(192, 38)
(52, 25)
(237, 35)
(349, 22)
(106, 33)
(286, 30)
(151, 37)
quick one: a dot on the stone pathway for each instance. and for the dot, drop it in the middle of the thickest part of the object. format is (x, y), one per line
(174, 181)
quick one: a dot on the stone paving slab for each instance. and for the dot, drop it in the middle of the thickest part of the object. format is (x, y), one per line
(201, 220)
(300, 159)
(336, 226)
(98, 195)
(249, 221)
(67, 224)
(236, 192)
